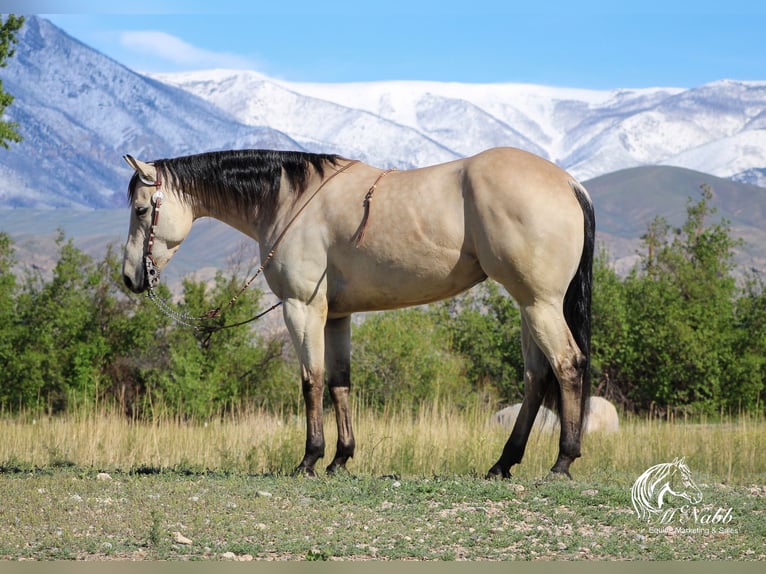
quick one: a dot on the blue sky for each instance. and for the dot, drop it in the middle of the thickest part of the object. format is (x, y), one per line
(586, 43)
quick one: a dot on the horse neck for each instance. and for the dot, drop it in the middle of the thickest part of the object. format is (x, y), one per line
(241, 220)
(262, 228)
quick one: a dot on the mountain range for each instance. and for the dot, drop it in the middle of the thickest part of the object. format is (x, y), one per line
(639, 151)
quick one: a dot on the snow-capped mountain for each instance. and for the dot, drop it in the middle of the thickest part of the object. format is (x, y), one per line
(718, 128)
(80, 111)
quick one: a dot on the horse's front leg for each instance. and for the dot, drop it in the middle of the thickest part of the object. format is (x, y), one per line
(306, 326)
(338, 365)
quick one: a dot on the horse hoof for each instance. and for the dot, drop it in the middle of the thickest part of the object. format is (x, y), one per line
(333, 469)
(304, 471)
(558, 475)
(497, 473)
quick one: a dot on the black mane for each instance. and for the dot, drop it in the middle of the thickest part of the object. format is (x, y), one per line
(239, 179)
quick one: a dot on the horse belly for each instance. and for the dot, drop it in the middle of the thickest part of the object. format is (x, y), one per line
(390, 284)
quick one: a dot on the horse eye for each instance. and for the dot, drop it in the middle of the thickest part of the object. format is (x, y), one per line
(141, 211)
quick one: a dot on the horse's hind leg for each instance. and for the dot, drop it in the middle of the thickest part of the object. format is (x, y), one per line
(338, 365)
(550, 331)
(537, 379)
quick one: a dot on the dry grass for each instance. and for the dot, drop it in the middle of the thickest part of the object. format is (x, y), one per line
(439, 440)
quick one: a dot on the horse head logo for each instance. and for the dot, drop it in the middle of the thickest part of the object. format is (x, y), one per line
(667, 479)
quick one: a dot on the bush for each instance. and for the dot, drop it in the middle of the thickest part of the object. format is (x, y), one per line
(80, 337)
(401, 358)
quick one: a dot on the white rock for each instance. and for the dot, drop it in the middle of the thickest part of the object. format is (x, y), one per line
(600, 416)
(181, 539)
(103, 476)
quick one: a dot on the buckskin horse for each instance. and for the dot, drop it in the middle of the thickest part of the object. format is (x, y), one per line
(337, 236)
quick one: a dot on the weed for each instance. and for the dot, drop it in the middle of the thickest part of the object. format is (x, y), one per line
(156, 532)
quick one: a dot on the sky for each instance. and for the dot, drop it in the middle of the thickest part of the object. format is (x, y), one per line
(594, 44)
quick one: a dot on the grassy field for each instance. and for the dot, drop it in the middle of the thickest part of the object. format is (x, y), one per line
(99, 486)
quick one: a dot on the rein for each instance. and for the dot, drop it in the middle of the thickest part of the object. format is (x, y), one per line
(367, 201)
(194, 322)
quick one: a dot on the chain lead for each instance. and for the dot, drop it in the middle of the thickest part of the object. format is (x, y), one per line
(181, 318)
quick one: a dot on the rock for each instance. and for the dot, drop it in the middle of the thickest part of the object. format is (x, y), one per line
(546, 420)
(103, 476)
(263, 494)
(600, 416)
(181, 539)
(229, 556)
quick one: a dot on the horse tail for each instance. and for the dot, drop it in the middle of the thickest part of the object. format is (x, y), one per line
(577, 305)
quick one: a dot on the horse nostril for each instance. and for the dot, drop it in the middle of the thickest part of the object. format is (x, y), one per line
(128, 282)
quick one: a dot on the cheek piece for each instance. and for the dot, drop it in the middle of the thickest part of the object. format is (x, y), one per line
(150, 266)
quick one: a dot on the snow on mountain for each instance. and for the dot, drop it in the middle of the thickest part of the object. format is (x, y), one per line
(79, 112)
(589, 132)
(317, 124)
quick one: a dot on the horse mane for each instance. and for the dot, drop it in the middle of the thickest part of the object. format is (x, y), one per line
(245, 180)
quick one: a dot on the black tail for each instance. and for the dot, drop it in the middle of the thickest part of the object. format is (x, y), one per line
(577, 303)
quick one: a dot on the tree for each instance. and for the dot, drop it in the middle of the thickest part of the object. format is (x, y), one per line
(8, 38)
(677, 332)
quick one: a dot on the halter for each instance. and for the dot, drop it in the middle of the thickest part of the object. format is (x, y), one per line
(153, 273)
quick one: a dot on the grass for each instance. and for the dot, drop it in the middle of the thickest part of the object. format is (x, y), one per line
(439, 439)
(210, 483)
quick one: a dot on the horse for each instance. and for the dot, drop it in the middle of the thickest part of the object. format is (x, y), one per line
(670, 478)
(338, 236)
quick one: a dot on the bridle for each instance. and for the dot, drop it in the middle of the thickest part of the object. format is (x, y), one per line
(198, 322)
(150, 266)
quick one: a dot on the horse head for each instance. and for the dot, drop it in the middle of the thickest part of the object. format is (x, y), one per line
(160, 220)
(688, 489)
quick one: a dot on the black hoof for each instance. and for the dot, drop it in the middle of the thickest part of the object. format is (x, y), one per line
(304, 471)
(334, 468)
(498, 473)
(558, 474)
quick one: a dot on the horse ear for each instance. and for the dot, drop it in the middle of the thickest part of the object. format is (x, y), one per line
(146, 171)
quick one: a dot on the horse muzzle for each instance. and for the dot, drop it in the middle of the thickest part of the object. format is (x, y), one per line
(149, 280)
